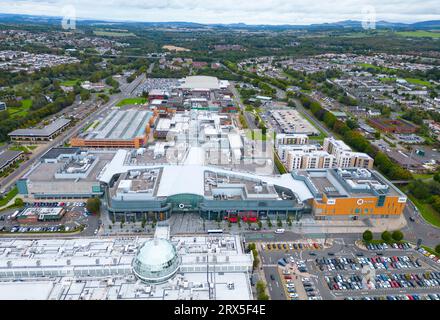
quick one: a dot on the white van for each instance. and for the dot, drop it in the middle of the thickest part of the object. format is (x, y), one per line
(279, 231)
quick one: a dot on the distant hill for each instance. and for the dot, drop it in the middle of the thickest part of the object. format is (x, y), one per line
(347, 24)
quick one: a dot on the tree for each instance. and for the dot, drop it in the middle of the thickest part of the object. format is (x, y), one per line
(289, 221)
(256, 263)
(386, 236)
(18, 202)
(437, 248)
(93, 205)
(261, 291)
(397, 235)
(367, 235)
(269, 223)
(279, 223)
(144, 222)
(260, 225)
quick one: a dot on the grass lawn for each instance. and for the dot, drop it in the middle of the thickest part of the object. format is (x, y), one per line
(387, 80)
(418, 82)
(128, 101)
(419, 34)
(428, 213)
(380, 69)
(20, 148)
(69, 83)
(22, 110)
(11, 194)
(423, 176)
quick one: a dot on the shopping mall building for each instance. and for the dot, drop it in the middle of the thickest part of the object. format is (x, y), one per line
(157, 191)
(136, 190)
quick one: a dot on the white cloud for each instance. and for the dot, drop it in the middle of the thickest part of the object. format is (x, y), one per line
(232, 11)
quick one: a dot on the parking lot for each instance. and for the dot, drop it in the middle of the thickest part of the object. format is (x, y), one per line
(75, 216)
(156, 83)
(291, 246)
(341, 271)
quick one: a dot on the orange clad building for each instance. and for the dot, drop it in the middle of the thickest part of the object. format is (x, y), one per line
(354, 193)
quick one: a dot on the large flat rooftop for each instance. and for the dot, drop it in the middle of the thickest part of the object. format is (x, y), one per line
(120, 125)
(7, 156)
(351, 182)
(100, 269)
(46, 131)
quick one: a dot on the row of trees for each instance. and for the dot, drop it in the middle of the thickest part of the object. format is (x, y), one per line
(253, 248)
(356, 140)
(386, 236)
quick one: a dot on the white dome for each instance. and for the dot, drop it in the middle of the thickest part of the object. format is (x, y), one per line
(156, 260)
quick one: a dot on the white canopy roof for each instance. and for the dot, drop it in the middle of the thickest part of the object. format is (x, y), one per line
(189, 178)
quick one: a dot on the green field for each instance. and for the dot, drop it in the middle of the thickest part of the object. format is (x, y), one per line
(419, 34)
(22, 110)
(114, 34)
(129, 101)
(69, 83)
(428, 213)
(418, 82)
(387, 80)
(380, 69)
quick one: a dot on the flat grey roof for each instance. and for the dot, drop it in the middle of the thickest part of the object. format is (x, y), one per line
(54, 153)
(121, 124)
(8, 156)
(43, 132)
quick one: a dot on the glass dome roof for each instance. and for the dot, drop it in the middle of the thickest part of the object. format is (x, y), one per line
(156, 261)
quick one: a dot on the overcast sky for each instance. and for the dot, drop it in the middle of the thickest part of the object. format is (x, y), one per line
(233, 11)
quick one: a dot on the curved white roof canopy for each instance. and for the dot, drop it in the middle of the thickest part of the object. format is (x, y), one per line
(178, 179)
